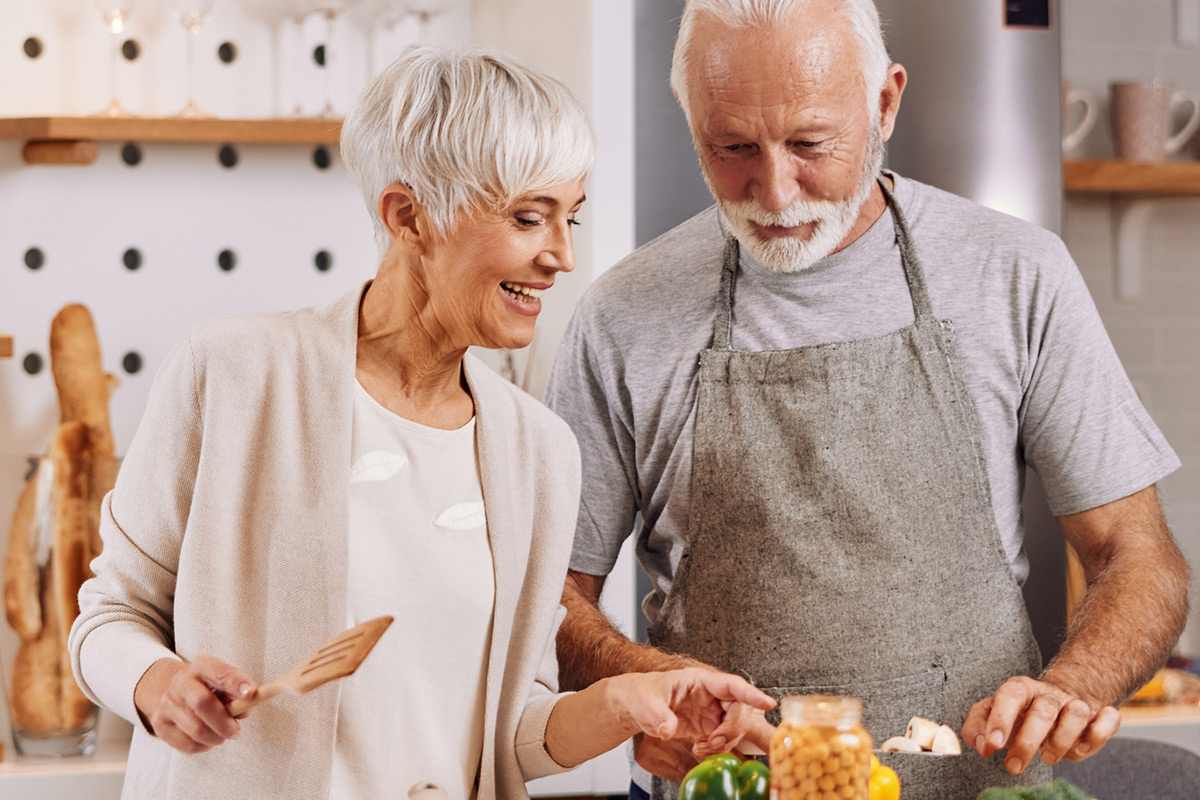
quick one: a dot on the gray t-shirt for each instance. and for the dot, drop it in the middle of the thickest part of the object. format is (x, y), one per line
(1047, 385)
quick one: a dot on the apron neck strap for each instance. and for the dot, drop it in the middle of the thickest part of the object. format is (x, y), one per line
(913, 274)
(723, 327)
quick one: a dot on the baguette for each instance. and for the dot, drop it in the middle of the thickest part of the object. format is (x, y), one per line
(83, 394)
(70, 551)
(37, 675)
(22, 606)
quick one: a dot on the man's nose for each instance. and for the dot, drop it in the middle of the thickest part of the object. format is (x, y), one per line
(778, 186)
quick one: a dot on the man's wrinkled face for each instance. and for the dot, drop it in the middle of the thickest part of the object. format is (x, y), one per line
(787, 144)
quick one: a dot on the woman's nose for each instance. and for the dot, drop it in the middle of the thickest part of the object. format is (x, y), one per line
(559, 253)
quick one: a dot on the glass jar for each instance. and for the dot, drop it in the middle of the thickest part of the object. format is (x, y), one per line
(820, 750)
(53, 539)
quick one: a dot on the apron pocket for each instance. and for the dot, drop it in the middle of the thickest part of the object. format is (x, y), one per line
(888, 705)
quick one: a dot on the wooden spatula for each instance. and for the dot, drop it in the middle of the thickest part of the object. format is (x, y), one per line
(337, 658)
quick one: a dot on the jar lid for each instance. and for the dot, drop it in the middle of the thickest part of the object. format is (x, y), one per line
(821, 709)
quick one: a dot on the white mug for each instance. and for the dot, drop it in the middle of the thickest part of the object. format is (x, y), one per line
(1071, 97)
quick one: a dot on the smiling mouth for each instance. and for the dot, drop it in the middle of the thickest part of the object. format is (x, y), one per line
(521, 293)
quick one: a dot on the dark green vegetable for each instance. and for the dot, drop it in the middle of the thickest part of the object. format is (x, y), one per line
(711, 779)
(754, 781)
(726, 777)
(1056, 790)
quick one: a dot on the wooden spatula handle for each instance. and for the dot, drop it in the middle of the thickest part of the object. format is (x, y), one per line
(264, 693)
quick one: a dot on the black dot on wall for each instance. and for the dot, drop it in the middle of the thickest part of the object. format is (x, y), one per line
(35, 258)
(32, 363)
(322, 158)
(323, 261)
(319, 55)
(33, 47)
(227, 260)
(228, 156)
(131, 154)
(132, 258)
(227, 52)
(131, 49)
(132, 363)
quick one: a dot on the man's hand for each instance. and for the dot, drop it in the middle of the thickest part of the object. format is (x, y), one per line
(669, 759)
(1029, 717)
(184, 703)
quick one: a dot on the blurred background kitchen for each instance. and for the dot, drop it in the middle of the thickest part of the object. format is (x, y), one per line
(157, 224)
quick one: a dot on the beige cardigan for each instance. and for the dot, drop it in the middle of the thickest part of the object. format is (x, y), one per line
(227, 534)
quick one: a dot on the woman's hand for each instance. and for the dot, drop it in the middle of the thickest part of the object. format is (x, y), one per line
(184, 703)
(712, 710)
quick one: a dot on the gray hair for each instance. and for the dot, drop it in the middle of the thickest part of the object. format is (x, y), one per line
(862, 15)
(466, 130)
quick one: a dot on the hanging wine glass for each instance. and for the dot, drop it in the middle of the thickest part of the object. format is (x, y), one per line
(115, 14)
(329, 10)
(378, 20)
(291, 13)
(192, 14)
(425, 10)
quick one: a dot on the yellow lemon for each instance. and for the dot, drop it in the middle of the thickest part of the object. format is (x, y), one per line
(885, 784)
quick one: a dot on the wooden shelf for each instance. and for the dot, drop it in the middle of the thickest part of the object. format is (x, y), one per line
(168, 129)
(1132, 177)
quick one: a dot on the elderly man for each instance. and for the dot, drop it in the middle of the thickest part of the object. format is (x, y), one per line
(821, 396)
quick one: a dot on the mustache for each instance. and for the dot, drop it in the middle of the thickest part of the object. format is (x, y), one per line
(800, 212)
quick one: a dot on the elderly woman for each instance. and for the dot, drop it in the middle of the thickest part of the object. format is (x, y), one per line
(297, 473)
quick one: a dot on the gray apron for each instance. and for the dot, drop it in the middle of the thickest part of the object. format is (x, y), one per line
(841, 536)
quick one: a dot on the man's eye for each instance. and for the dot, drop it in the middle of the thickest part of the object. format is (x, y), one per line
(807, 144)
(733, 148)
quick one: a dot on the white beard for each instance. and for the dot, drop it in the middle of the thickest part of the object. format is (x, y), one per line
(833, 221)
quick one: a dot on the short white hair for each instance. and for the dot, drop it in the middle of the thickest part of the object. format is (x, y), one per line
(862, 15)
(466, 130)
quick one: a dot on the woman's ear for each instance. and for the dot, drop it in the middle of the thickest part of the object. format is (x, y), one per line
(400, 212)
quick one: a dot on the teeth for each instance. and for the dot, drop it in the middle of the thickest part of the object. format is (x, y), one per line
(522, 292)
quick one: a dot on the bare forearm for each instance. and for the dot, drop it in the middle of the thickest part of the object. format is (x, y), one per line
(585, 724)
(1134, 609)
(590, 648)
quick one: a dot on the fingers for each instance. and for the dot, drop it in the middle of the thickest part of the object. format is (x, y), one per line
(1103, 727)
(724, 686)
(224, 679)
(739, 720)
(191, 716)
(1031, 717)
(670, 760)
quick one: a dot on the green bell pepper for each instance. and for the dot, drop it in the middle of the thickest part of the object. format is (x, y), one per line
(726, 777)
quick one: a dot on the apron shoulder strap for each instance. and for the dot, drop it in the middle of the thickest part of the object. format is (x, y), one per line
(913, 271)
(723, 326)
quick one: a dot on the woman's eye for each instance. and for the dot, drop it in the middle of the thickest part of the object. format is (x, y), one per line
(571, 219)
(529, 219)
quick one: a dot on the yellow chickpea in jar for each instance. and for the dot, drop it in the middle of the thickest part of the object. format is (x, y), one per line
(820, 750)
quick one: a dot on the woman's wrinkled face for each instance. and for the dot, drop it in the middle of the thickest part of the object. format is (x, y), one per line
(491, 271)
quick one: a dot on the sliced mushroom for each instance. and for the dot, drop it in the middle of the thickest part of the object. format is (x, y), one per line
(900, 744)
(946, 741)
(922, 731)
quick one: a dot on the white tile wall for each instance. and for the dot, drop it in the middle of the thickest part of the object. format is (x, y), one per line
(1157, 334)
